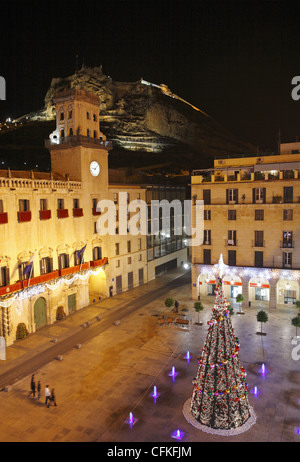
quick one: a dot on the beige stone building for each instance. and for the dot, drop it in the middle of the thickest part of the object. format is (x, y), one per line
(52, 220)
(252, 218)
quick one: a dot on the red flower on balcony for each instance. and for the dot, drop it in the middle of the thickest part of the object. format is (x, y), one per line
(45, 214)
(24, 216)
(3, 218)
(62, 213)
(78, 212)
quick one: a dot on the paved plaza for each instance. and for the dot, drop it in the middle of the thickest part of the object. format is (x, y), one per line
(114, 373)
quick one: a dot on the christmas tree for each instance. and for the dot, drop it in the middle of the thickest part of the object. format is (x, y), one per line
(219, 402)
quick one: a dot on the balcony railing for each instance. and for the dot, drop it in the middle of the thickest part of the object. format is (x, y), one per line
(78, 212)
(95, 211)
(286, 244)
(3, 218)
(45, 214)
(100, 262)
(230, 242)
(78, 139)
(43, 278)
(24, 216)
(62, 213)
(73, 269)
(213, 176)
(6, 290)
(258, 243)
(40, 279)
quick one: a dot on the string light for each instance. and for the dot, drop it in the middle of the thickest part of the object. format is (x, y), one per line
(40, 288)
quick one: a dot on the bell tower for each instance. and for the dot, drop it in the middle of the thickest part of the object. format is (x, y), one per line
(77, 147)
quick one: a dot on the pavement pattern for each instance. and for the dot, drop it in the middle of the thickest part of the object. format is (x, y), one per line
(114, 373)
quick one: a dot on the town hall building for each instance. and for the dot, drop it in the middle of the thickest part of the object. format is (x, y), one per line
(52, 256)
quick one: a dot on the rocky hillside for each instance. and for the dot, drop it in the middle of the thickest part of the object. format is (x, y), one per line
(147, 123)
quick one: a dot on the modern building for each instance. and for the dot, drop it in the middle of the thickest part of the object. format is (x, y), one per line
(252, 218)
(54, 254)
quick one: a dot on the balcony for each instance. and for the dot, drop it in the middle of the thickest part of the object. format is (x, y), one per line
(62, 213)
(77, 140)
(73, 269)
(3, 218)
(287, 244)
(10, 289)
(101, 262)
(78, 212)
(258, 243)
(45, 214)
(230, 242)
(95, 211)
(40, 279)
(24, 216)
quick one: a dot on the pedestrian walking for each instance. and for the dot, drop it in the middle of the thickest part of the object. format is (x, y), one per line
(39, 389)
(176, 306)
(47, 394)
(52, 398)
(32, 386)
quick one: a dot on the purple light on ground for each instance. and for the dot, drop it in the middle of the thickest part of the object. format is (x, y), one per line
(155, 394)
(173, 373)
(187, 356)
(255, 391)
(263, 370)
(131, 420)
(178, 435)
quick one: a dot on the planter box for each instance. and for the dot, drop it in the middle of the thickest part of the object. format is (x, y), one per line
(94, 210)
(45, 214)
(24, 216)
(62, 213)
(3, 218)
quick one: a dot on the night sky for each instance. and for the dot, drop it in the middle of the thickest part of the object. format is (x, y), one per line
(233, 59)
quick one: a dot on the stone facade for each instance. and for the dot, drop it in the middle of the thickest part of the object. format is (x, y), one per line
(52, 219)
(251, 217)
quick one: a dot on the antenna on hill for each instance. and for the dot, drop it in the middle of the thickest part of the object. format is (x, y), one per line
(279, 140)
(76, 63)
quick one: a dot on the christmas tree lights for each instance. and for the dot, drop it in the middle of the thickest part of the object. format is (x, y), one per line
(219, 402)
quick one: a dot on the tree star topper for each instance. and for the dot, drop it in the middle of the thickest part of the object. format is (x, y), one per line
(221, 267)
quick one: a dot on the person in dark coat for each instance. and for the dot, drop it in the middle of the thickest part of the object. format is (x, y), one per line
(39, 389)
(32, 386)
(52, 398)
(176, 305)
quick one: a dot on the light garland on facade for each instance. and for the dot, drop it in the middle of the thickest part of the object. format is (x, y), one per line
(40, 288)
(266, 273)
